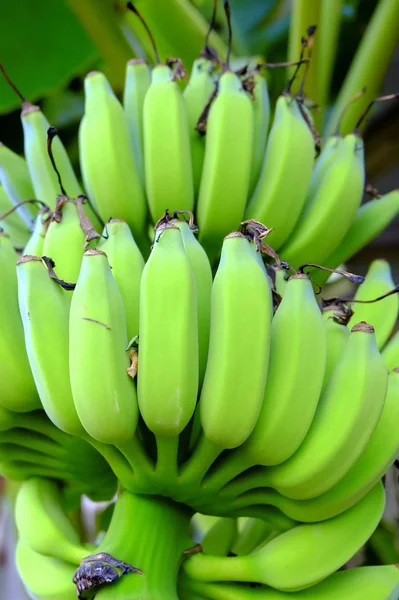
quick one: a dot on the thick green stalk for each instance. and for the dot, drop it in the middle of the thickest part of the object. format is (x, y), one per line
(368, 67)
(149, 533)
(326, 48)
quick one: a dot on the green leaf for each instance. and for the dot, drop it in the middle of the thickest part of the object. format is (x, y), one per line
(42, 46)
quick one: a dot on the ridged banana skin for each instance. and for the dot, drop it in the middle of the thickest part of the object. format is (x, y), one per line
(137, 82)
(168, 342)
(44, 578)
(294, 378)
(346, 416)
(167, 152)
(196, 95)
(337, 338)
(241, 315)
(361, 583)
(203, 277)
(390, 353)
(15, 179)
(12, 225)
(261, 108)
(382, 315)
(127, 264)
(311, 551)
(109, 170)
(64, 242)
(227, 165)
(42, 523)
(329, 214)
(376, 458)
(42, 174)
(17, 388)
(44, 310)
(286, 173)
(97, 354)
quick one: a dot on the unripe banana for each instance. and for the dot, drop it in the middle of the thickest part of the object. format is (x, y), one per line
(15, 179)
(253, 533)
(34, 246)
(13, 225)
(337, 338)
(261, 108)
(44, 307)
(327, 157)
(17, 388)
(241, 312)
(334, 542)
(346, 416)
(287, 169)
(382, 315)
(390, 352)
(167, 153)
(196, 95)
(127, 265)
(329, 213)
(42, 523)
(42, 174)
(137, 82)
(203, 276)
(227, 164)
(168, 343)
(109, 169)
(44, 577)
(103, 393)
(219, 539)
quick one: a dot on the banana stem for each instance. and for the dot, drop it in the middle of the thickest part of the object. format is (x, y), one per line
(135, 454)
(116, 461)
(151, 534)
(326, 50)
(204, 455)
(235, 463)
(167, 458)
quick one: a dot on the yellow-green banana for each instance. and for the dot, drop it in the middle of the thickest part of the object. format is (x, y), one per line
(35, 243)
(15, 179)
(103, 393)
(337, 337)
(13, 225)
(390, 352)
(44, 307)
(220, 538)
(127, 265)
(287, 168)
(261, 107)
(167, 153)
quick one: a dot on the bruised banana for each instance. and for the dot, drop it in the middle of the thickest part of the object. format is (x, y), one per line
(97, 354)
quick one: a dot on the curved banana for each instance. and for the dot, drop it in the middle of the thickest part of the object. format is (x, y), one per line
(109, 170)
(197, 94)
(203, 276)
(382, 315)
(15, 179)
(337, 338)
(261, 108)
(328, 215)
(17, 388)
(127, 264)
(346, 416)
(287, 169)
(220, 538)
(97, 354)
(44, 307)
(167, 153)
(137, 82)
(13, 225)
(44, 578)
(327, 157)
(253, 533)
(390, 352)
(42, 523)
(226, 171)
(34, 246)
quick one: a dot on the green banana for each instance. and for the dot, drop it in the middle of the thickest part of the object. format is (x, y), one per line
(203, 276)
(390, 352)
(109, 169)
(226, 171)
(329, 213)
(44, 578)
(254, 533)
(287, 169)
(327, 157)
(137, 82)
(42, 174)
(13, 225)
(44, 307)
(382, 315)
(334, 542)
(346, 416)
(127, 263)
(21, 396)
(337, 338)
(34, 246)
(97, 354)
(167, 153)
(33, 441)
(168, 343)
(373, 583)
(43, 525)
(220, 538)
(15, 179)
(261, 108)
(197, 94)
